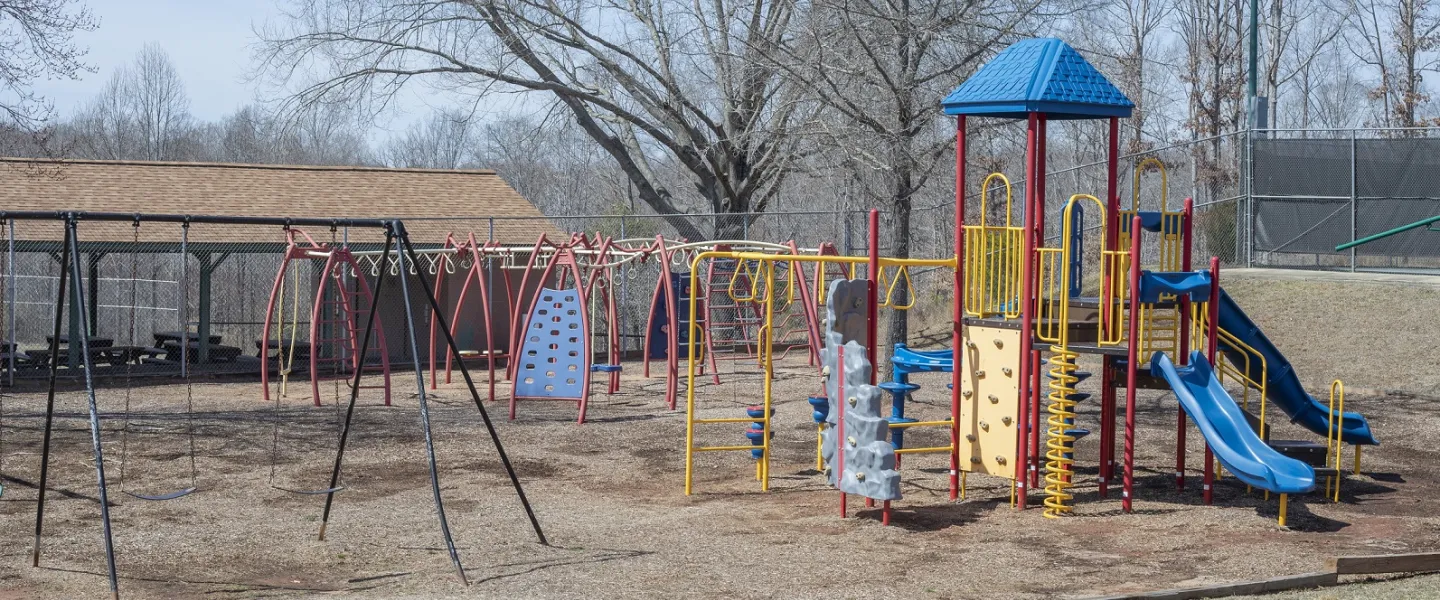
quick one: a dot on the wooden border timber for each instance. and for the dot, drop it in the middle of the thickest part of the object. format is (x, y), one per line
(1263, 586)
(1376, 564)
(1306, 580)
(1385, 563)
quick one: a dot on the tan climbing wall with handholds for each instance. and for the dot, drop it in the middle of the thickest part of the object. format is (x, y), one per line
(990, 400)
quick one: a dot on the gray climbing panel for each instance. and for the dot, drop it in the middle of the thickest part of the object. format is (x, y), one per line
(868, 465)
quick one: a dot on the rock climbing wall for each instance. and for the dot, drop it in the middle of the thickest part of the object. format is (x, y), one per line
(990, 401)
(865, 464)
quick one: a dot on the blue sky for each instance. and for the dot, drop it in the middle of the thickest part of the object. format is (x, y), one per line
(208, 40)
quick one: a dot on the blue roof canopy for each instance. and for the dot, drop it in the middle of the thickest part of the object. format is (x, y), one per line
(1040, 75)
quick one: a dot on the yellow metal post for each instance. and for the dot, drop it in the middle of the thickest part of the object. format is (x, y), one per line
(1337, 422)
(690, 380)
(766, 335)
(1059, 455)
(1284, 506)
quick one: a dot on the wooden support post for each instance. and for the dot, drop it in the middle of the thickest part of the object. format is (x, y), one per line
(202, 329)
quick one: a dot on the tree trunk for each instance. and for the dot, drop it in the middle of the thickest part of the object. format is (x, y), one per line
(900, 205)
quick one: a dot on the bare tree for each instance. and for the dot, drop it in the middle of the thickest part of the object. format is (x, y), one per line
(1132, 29)
(141, 113)
(444, 141)
(1398, 40)
(556, 166)
(648, 80)
(881, 67)
(158, 103)
(1214, 78)
(1296, 34)
(329, 133)
(1332, 92)
(105, 126)
(246, 136)
(37, 41)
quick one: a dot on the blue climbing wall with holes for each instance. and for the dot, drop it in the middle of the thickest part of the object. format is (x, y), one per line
(553, 361)
(659, 342)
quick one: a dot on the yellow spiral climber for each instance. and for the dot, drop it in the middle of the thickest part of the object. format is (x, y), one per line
(1060, 445)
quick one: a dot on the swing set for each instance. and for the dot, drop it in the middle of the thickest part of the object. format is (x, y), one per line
(72, 290)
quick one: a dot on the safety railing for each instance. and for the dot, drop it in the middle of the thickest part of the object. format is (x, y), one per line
(1051, 266)
(1114, 298)
(1227, 369)
(994, 260)
(766, 299)
(889, 284)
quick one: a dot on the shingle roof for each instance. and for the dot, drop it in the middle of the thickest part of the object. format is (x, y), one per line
(469, 196)
(1043, 75)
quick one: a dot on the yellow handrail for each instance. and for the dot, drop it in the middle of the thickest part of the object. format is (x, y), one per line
(881, 282)
(1164, 183)
(1199, 320)
(889, 301)
(1060, 442)
(741, 266)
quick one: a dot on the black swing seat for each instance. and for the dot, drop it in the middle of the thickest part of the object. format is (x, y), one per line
(162, 497)
(310, 492)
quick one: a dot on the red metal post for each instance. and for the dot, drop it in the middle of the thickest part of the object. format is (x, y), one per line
(872, 298)
(840, 426)
(1027, 316)
(1132, 365)
(1107, 315)
(958, 308)
(1210, 345)
(1038, 389)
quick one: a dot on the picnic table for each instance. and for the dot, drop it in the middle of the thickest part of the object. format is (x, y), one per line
(191, 352)
(114, 355)
(161, 337)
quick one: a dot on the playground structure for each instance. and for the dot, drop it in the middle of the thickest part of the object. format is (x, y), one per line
(1027, 306)
(493, 293)
(1111, 284)
(729, 299)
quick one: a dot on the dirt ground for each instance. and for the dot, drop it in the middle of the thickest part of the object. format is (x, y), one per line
(610, 498)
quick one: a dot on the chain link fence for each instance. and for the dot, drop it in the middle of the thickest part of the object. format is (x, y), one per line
(1281, 199)
(1316, 189)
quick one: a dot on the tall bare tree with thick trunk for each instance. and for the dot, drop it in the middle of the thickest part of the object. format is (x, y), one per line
(881, 67)
(651, 81)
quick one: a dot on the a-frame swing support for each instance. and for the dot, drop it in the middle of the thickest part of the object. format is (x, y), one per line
(71, 284)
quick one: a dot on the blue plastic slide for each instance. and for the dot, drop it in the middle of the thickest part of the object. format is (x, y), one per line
(1229, 435)
(1283, 385)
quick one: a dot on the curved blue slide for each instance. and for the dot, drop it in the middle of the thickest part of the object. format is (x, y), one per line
(1229, 435)
(1283, 385)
